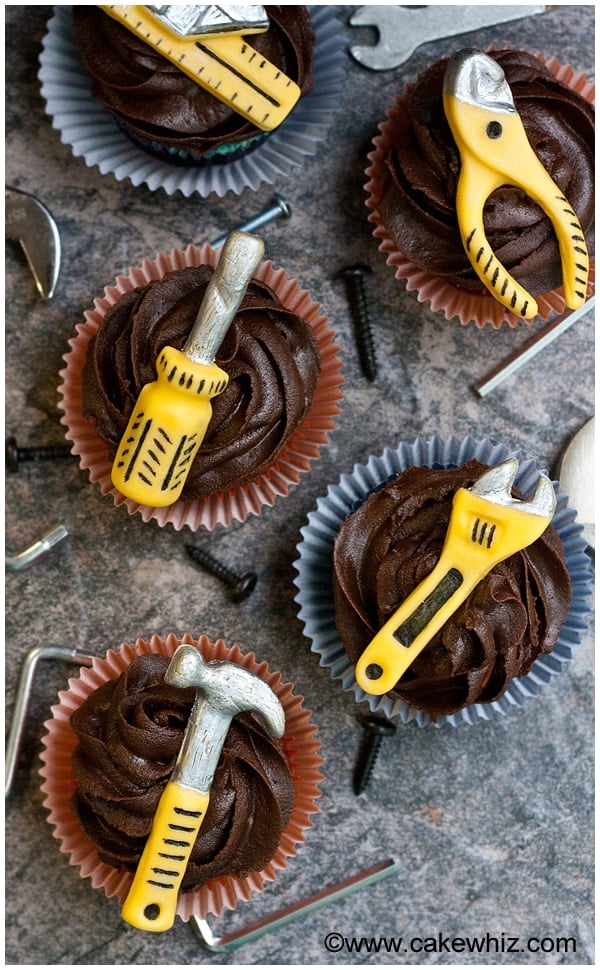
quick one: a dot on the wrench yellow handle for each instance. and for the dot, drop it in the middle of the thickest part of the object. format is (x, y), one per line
(480, 535)
(495, 151)
(166, 429)
(152, 899)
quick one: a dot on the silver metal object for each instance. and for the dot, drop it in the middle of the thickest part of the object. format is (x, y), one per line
(195, 20)
(22, 698)
(495, 485)
(224, 690)
(226, 288)
(30, 223)
(403, 29)
(281, 209)
(478, 80)
(32, 553)
(576, 473)
(282, 917)
(511, 364)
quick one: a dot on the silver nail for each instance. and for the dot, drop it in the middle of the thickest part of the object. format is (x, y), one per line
(281, 209)
(32, 553)
(22, 698)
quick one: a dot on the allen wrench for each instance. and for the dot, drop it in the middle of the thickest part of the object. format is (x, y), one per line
(531, 347)
(223, 944)
(27, 557)
(22, 697)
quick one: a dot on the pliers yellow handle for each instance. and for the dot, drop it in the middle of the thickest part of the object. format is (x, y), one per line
(494, 151)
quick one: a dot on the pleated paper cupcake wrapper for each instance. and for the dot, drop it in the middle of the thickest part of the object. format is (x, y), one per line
(93, 135)
(477, 308)
(301, 745)
(222, 508)
(314, 569)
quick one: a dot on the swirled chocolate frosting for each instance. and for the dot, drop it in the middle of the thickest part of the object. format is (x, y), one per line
(129, 733)
(156, 102)
(270, 354)
(421, 168)
(393, 541)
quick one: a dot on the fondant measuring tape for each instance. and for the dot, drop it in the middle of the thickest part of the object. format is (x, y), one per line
(227, 66)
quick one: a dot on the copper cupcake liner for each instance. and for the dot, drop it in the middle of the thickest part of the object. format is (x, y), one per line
(301, 745)
(221, 508)
(479, 308)
(314, 567)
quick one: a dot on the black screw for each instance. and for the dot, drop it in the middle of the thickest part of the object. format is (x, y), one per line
(15, 454)
(241, 586)
(357, 294)
(376, 728)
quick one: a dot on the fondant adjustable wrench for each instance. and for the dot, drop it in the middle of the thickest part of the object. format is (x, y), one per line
(487, 525)
(495, 151)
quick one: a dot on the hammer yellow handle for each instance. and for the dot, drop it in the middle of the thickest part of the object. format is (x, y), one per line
(166, 429)
(152, 899)
(226, 65)
(495, 151)
(480, 534)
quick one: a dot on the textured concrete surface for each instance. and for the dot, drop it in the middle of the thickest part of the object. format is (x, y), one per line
(492, 825)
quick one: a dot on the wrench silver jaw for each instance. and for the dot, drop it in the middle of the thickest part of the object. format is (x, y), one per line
(495, 486)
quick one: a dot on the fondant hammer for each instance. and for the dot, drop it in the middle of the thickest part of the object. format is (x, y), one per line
(223, 690)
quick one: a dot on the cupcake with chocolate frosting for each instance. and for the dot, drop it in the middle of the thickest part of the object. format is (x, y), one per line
(132, 113)
(109, 752)
(385, 527)
(163, 109)
(267, 425)
(412, 178)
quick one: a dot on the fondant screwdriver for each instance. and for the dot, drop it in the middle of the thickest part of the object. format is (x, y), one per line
(170, 418)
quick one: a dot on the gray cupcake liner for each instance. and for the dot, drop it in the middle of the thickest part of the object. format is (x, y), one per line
(92, 133)
(314, 568)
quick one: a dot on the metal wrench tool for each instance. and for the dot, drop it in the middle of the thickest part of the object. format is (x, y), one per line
(28, 222)
(403, 29)
(487, 525)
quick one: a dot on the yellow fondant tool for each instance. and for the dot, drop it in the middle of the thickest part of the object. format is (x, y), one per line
(223, 63)
(223, 690)
(486, 526)
(494, 151)
(171, 415)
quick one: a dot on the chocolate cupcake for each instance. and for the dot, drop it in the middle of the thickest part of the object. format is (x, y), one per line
(163, 109)
(109, 752)
(308, 40)
(380, 531)
(267, 425)
(413, 174)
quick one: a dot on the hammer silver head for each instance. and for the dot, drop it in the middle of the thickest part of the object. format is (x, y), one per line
(224, 690)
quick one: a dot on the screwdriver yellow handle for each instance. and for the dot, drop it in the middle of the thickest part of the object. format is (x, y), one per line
(480, 535)
(152, 899)
(495, 151)
(166, 429)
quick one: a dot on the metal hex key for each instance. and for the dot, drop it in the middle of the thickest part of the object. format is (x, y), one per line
(282, 917)
(22, 698)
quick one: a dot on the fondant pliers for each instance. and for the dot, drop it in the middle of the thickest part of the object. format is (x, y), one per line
(494, 151)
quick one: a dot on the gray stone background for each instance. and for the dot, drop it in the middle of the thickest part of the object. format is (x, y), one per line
(492, 825)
